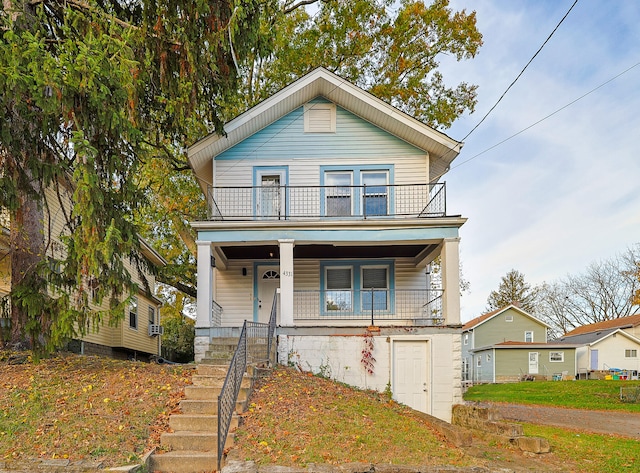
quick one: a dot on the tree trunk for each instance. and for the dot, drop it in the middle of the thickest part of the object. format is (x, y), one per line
(27, 250)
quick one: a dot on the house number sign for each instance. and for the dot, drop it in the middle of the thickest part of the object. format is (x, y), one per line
(287, 273)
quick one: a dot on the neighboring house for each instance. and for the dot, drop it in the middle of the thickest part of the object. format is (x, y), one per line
(136, 336)
(508, 345)
(605, 346)
(328, 196)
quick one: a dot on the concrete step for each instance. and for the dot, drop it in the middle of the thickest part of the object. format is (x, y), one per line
(184, 461)
(212, 370)
(197, 422)
(215, 361)
(216, 381)
(210, 393)
(193, 406)
(194, 441)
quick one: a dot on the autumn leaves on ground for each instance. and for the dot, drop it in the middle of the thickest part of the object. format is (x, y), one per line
(90, 408)
(81, 407)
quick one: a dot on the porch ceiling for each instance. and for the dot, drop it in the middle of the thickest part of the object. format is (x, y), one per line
(302, 251)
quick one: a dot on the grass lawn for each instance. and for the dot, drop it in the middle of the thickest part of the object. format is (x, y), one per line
(591, 394)
(593, 452)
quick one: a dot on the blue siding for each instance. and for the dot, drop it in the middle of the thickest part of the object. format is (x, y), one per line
(286, 139)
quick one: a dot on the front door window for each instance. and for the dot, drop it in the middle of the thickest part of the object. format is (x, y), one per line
(270, 196)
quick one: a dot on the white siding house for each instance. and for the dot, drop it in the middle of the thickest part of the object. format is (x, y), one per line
(328, 199)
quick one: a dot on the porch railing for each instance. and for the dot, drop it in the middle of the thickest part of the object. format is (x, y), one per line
(330, 202)
(255, 345)
(216, 315)
(424, 307)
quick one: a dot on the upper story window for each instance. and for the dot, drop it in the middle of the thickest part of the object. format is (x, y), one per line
(357, 191)
(630, 353)
(466, 338)
(508, 318)
(152, 315)
(320, 118)
(133, 313)
(528, 336)
(339, 202)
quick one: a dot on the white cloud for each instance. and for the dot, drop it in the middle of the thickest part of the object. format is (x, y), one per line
(564, 193)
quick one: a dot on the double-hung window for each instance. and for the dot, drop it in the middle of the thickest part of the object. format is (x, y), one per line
(339, 294)
(339, 202)
(375, 193)
(357, 191)
(357, 287)
(375, 285)
(133, 313)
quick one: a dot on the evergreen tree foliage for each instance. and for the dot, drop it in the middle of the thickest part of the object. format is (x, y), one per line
(91, 90)
(514, 289)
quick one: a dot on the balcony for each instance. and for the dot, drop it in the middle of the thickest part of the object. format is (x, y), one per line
(420, 307)
(327, 202)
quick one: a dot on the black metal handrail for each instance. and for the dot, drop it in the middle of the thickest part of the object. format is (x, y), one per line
(330, 202)
(252, 336)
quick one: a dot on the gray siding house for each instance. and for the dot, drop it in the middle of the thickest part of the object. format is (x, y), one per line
(325, 199)
(509, 345)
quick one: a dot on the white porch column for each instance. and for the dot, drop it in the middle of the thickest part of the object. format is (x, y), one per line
(205, 298)
(450, 259)
(286, 282)
(205, 285)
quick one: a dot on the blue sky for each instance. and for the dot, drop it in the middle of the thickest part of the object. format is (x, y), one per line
(566, 192)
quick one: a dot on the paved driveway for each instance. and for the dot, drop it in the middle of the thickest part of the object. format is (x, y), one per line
(606, 422)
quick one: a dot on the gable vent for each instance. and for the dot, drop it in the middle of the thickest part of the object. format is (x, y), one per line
(320, 118)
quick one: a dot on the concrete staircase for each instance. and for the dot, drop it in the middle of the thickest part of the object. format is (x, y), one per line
(193, 444)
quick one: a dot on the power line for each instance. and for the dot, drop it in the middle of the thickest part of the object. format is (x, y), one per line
(522, 71)
(548, 116)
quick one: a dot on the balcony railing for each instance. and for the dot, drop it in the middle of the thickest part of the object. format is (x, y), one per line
(327, 202)
(423, 307)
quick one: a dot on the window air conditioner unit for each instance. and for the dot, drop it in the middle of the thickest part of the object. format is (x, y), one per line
(155, 329)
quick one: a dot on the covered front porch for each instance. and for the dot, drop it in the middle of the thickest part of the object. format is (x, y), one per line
(339, 275)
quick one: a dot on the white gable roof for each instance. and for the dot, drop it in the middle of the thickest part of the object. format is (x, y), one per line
(320, 82)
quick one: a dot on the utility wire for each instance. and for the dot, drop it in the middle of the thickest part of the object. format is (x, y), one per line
(521, 72)
(546, 117)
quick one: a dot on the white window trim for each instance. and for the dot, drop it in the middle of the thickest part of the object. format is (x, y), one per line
(525, 336)
(508, 318)
(465, 339)
(561, 360)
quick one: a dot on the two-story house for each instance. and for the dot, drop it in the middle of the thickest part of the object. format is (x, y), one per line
(509, 344)
(330, 198)
(137, 335)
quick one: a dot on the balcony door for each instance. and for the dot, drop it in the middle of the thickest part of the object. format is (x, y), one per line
(270, 198)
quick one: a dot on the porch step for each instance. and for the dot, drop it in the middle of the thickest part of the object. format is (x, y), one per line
(185, 461)
(209, 392)
(181, 441)
(197, 422)
(212, 370)
(194, 406)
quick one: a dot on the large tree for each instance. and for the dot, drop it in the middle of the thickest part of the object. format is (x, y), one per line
(514, 289)
(388, 48)
(91, 91)
(604, 291)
